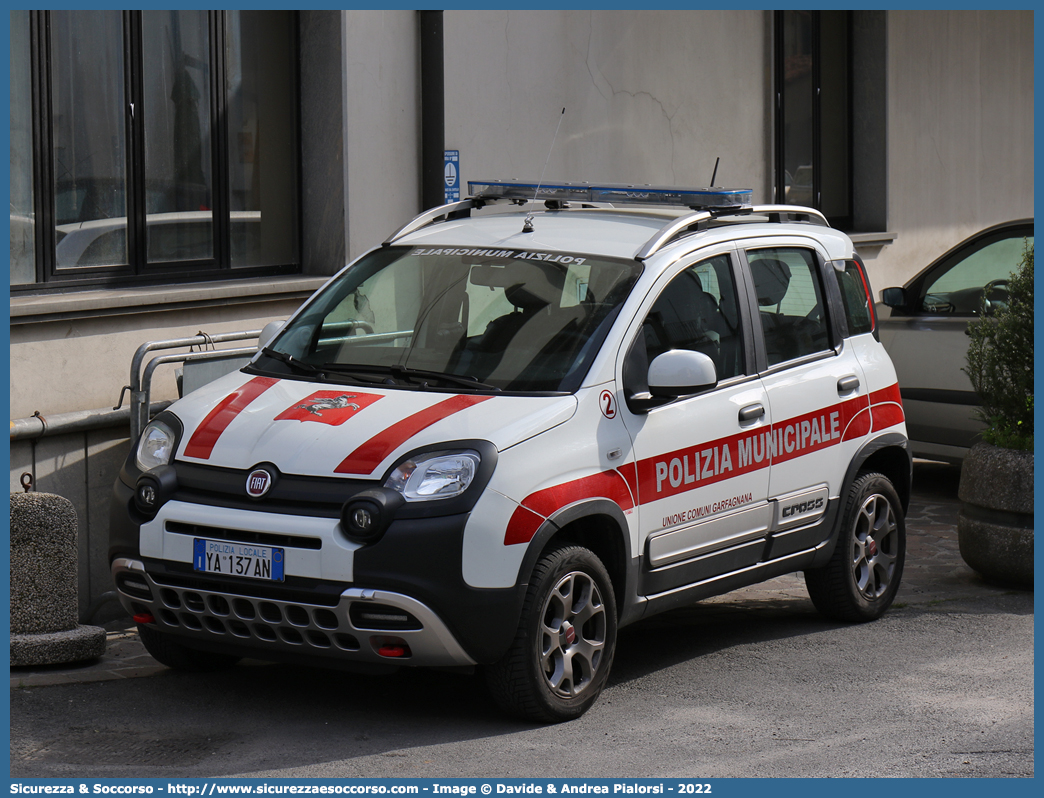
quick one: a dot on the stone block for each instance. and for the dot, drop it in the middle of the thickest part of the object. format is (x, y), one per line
(44, 628)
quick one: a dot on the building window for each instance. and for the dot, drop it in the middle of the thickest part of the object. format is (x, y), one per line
(813, 87)
(162, 146)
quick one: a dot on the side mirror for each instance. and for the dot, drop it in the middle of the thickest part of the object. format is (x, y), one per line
(680, 372)
(268, 332)
(893, 298)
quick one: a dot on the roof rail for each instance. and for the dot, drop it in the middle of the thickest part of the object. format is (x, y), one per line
(670, 232)
(454, 210)
(776, 214)
(798, 213)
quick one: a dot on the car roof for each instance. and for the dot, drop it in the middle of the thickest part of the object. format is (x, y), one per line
(607, 232)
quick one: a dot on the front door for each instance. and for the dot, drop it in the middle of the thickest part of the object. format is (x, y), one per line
(701, 460)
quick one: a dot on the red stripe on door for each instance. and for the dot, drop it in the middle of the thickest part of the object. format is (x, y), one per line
(202, 442)
(372, 453)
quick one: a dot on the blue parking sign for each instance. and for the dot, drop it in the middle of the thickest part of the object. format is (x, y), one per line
(451, 175)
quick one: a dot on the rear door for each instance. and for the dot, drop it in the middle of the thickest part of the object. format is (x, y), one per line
(815, 388)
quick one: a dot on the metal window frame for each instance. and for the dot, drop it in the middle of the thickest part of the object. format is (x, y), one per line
(138, 271)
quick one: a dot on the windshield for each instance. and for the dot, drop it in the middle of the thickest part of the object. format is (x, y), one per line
(455, 318)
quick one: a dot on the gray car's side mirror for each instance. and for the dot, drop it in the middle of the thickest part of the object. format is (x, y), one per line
(893, 297)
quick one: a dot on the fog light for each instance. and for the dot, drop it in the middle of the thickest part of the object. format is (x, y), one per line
(362, 519)
(367, 515)
(154, 488)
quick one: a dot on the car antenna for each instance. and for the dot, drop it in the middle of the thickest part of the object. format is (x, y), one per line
(527, 227)
(715, 173)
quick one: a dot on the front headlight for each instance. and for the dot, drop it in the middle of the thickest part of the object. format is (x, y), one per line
(436, 475)
(156, 446)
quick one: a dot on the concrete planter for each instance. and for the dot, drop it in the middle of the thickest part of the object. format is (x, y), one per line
(995, 524)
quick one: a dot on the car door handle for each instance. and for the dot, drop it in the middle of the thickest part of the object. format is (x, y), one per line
(751, 413)
(847, 384)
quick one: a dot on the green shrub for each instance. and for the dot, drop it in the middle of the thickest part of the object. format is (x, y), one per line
(1000, 363)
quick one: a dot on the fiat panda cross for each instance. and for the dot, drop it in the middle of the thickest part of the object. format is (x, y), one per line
(506, 433)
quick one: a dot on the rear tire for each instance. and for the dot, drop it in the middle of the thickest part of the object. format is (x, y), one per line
(560, 658)
(861, 579)
(168, 651)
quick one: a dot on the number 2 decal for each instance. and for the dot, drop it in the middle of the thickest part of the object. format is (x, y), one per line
(608, 404)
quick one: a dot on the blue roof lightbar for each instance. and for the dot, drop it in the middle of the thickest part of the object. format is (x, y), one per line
(712, 199)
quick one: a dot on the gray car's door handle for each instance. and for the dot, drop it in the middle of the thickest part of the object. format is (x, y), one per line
(751, 413)
(847, 384)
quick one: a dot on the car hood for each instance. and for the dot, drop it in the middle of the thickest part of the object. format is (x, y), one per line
(319, 429)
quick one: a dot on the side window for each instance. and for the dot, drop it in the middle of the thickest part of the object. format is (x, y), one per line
(698, 311)
(790, 302)
(855, 296)
(960, 288)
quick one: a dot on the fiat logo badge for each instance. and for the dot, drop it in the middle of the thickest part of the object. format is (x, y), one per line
(258, 482)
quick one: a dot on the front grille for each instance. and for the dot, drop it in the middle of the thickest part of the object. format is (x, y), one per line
(244, 536)
(290, 494)
(245, 618)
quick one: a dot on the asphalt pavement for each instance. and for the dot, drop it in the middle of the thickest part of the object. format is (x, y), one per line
(753, 683)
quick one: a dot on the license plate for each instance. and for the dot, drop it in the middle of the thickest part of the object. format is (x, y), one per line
(237, 559)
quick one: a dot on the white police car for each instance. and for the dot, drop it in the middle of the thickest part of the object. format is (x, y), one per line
(501, 436)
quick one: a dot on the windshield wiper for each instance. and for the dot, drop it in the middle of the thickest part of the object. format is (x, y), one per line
(414, 375)
(297, 365)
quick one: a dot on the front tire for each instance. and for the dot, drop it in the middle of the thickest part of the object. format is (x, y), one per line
(861, 579)
(560, 658)
(168, 651)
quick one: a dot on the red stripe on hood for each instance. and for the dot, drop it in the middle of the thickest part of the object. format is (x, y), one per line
(202, 442)
(370, 454)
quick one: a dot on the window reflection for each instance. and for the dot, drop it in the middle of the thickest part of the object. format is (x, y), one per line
(262, 144)
(23, 247)
(178, 169)
(87, 98)
(797, 108)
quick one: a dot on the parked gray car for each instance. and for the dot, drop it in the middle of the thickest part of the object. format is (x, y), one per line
(924, 328)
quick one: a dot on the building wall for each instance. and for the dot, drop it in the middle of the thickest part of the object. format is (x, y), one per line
(381, 124)
(650, 96)
(73, 352)
(960, 131)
